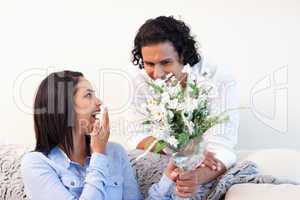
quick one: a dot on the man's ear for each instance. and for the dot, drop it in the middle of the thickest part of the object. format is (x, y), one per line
(181, 59)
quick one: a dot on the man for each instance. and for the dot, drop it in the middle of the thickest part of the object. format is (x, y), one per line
(164, 45)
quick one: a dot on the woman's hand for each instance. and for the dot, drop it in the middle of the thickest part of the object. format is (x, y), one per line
(100, 133)
(172, 171)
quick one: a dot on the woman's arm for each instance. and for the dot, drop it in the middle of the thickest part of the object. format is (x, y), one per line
(42, 182)
(131, 189)
(165, 187)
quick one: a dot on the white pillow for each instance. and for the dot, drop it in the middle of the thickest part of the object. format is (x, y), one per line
(250, 191)
(281, 163)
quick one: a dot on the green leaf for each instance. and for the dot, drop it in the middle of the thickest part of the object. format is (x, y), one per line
(183, 138)
(146, 122)
(156, 88)
(160, 145)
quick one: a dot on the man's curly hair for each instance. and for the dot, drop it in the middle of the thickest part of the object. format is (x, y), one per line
(162, 29)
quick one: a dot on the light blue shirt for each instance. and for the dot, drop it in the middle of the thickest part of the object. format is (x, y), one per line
(103, 177)
(56, 177)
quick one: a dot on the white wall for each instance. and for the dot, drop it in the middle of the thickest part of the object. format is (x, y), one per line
(256, 38)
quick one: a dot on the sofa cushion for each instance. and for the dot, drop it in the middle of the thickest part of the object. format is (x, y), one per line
(250, 191)
(281, 163)
(11, 185)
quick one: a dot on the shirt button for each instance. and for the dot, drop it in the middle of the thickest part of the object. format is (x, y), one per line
(115, 183)
(72, 183)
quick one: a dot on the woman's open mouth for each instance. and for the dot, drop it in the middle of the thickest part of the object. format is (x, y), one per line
(94, 116)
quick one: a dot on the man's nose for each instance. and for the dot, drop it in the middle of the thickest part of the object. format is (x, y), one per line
(158, 72)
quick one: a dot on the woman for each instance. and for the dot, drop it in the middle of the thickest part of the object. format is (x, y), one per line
(73, 158)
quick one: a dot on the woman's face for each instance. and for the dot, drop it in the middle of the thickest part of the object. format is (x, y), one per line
(86, 105)
(161, 59)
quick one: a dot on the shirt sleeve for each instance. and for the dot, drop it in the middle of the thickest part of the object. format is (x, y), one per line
(42, 182)
(162, 190)
(222, 138)
(131, 189)
(135, 115)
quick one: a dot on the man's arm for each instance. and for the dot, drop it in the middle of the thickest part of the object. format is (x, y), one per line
(188, 182)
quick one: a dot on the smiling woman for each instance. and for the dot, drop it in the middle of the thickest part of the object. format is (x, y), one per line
(73, 158)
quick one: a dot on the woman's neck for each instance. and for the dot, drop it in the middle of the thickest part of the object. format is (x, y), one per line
(79, 153)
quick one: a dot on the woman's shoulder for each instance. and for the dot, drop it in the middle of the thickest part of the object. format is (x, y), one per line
(34, 158)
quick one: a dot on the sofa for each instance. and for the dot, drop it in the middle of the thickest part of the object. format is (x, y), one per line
(283, 163)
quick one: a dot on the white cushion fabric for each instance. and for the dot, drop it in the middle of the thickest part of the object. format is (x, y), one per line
(249, 191)
(281, 163)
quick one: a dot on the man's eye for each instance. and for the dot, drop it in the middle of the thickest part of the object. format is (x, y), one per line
(149, 64)
(165, 62)
(88, 95)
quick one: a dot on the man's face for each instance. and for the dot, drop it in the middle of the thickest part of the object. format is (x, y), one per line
(161, 59)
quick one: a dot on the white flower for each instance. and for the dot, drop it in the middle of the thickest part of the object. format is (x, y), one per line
(191, 127)
(170, 114)
(191, 104)
(174, 90)
(160, 133)
(158, 113)
(159, 82)
(173, 141)
(173, 79)
(165, 98)
(186, 69)
(169, 75)
(171, 98)
(152, 102)
(189, 124)
(173, 104)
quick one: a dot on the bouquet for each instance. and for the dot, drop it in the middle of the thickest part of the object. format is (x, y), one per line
(178, 114)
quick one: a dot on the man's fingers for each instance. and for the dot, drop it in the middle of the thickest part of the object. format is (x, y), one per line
(187, 183)
(210, 164)
(187, 175)
(171, 165)
(180, 192)
(209, 154)
(183, 189)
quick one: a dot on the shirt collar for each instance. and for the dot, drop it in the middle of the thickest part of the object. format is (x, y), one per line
(58, 156)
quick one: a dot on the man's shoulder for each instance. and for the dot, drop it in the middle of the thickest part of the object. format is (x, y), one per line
(137, 74)
(215, 71)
